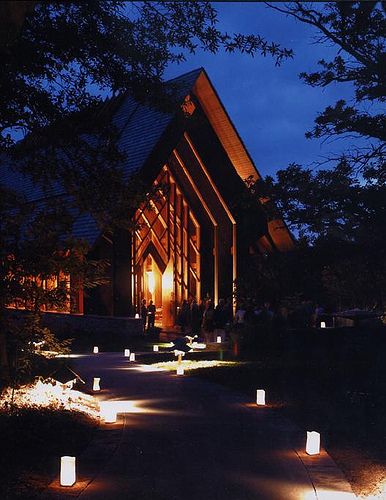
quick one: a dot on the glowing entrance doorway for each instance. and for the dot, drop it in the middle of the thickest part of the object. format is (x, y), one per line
(166, 251)
(152, 287)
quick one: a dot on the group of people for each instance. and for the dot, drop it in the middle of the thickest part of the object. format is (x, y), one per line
(204, 318)
(305, 314)
(147, 313)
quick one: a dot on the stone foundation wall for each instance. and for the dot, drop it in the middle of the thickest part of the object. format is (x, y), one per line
(105, 325)
(68, 325)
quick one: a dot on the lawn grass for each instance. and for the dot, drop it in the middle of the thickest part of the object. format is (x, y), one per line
(32, 442)
(332, 382)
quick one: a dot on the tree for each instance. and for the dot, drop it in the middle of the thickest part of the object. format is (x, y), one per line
(67, 54)
(67, 57)
(342, 221)
(60, 61)
(357, 30)
(38, 259)
(338, 214)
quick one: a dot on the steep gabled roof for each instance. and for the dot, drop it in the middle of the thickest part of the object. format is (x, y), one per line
(141, 127)
(224, 128)
(279, 235)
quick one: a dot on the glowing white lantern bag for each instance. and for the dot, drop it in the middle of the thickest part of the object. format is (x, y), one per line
(95, 385)
(108, 413)
(260, 397)
(67, 471)
(313, 443)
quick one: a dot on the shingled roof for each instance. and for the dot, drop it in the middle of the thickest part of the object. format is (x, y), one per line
(140, 127)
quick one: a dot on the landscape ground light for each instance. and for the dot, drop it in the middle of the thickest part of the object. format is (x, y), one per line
(67, 471)
(313, 443)
(260, 397)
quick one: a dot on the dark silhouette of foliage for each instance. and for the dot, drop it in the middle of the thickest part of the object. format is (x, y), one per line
(357, 31)
(64, 69)
(338, 214)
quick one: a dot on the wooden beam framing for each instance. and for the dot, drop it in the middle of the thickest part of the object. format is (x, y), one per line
(224, 205)
(211, 217)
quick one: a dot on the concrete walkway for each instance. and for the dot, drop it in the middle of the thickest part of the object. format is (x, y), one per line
(184, 438)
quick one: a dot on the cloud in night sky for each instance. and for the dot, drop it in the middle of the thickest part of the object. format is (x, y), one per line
(270, 106)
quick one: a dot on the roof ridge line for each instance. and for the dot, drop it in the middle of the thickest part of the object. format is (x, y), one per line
(200, 68)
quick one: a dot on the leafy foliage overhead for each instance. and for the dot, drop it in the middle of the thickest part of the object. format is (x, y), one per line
(68, 55)
(357, 31)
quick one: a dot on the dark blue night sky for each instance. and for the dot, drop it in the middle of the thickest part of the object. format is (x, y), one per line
(270, 106)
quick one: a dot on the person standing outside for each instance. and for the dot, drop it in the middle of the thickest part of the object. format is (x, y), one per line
(151, 316)
(143, 314)
(195, 318)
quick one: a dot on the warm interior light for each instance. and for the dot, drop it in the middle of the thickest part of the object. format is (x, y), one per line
(323, 324)
(95, 350)
(155, 348)
(313, 443)
(67, 471)
(95, 385)
(180, 370)
(132, 356)
(127, 353)
(219, 340)
(260, 397)
(150, 281)
(167, 280)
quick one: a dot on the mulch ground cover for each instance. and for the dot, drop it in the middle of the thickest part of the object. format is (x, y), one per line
(32, 442)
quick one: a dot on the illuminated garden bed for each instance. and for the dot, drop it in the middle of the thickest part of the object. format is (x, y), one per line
(40, 422)
(189, 365)
(48, 394)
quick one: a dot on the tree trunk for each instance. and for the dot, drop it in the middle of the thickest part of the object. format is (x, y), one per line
(4, 366)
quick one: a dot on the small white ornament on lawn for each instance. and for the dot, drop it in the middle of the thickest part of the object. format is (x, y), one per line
(219, 340)
(180, 370)
(155, 348)
(127, 353)
(323, 324)
(132, 356)
(96, 349)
